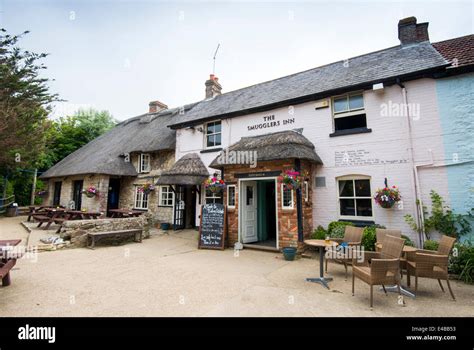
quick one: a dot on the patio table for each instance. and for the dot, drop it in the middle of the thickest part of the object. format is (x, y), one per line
(4, 246)
(321, 244)
(403, 289)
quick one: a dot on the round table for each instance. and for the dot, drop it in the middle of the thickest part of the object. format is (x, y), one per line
(321, 244)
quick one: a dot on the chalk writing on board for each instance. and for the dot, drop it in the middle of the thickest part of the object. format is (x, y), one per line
(212, 229)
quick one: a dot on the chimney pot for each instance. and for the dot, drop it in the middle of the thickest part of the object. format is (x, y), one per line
(156, 106)
(213, 88)
(410, 32)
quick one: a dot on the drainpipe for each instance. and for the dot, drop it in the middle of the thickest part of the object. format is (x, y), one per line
(415, 180)
(299, 205)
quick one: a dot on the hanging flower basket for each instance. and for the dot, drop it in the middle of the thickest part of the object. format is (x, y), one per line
(290, 179)
(214, 184)
(91, 192)
(146, 188)
(41, 193)
(387, 197)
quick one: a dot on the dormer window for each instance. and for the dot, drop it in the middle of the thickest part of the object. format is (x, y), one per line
(144, 165)
(213, 134)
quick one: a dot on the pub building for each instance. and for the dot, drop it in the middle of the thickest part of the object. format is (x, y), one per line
(388, 117)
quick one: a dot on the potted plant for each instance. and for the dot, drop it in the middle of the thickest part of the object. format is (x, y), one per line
(289, 253)
(290, 179)
(214, 184)
(91, 192)
(387, 197)
(146, 188)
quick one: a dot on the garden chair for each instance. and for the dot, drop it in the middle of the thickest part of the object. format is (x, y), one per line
(380, 234)
(353, 237)
(431, 264)
(380, 268)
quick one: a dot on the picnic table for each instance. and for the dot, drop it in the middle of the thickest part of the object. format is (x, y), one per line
(61, 215)
(33, 211)
(6, 262)
(124, 213)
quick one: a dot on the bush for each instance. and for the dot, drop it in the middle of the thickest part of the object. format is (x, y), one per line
(462, 262)
(430, 245)
(369, 238)
(319, 233)
(408, 241)
(336, 228)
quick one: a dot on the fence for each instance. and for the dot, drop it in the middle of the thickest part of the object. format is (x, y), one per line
(6, 202)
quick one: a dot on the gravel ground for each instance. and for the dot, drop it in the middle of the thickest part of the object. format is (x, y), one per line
(167, 275)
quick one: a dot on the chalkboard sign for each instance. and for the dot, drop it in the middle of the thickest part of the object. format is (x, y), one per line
(213, 226)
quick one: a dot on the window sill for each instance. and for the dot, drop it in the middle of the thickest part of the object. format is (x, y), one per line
(210, 150)
(360, 222)
(140, 209)
(350, 132)
(288, 209)
(165, 206)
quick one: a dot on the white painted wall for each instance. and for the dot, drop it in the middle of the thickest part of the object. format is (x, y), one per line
(382, 153)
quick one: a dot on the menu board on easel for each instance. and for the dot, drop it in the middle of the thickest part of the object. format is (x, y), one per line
(213, 226)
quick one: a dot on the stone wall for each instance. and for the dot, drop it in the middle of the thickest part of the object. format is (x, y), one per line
(77, 230)
(287, 218)
(98, 203)
(159, 161)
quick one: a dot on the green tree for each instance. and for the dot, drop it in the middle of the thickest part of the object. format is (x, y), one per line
(70, 133)
(25, 102)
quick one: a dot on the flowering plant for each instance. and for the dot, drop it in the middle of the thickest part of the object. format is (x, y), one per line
(146, 188)
(386, 197)
(214, 184)
(91, 191)
(290, 179)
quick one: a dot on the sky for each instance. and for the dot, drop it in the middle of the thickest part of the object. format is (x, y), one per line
(120, 55)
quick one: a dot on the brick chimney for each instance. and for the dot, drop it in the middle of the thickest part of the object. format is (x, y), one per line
(410, 32)
(156, 106)
(213, 88)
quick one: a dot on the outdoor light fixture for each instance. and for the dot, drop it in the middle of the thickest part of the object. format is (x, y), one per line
(378, 87)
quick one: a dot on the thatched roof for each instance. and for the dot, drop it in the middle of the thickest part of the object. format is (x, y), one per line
(278, 145)
(104, 155)
(188, 170)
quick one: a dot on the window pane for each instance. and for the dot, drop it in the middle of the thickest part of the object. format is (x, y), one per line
(210, 140)
(287, 198)
(217, 140)
(249, 199)
(217, 127)
(362, 188)
(347, 207)
(340, 104)
(356, 102)
(364, 207)
(352, 122)
(210, 128)
(346, 188)
(231, 199)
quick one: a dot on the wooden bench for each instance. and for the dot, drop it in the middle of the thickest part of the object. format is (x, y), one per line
(5, 268)
(94, 237)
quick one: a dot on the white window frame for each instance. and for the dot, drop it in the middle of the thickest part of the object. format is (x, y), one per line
(213, 197)
(292, 206)
(140, 199)
(168, 192)
(353, 178)
(144, 163)
(215, 133)
(306, 191)
(349, 112)
(228, 196)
